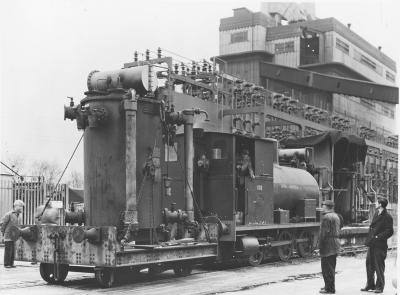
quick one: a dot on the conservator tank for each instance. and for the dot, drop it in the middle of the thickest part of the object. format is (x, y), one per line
(291, 185)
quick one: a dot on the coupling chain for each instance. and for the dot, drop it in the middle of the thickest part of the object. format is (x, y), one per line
(153, 232)
(128, 231)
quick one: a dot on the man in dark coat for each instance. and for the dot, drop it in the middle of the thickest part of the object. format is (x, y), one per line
(243, 168)
(381, 229)
(13, 217)
(329, 245)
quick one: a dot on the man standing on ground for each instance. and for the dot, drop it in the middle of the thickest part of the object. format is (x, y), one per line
(380, 230)
(13, 217)
(329, 245)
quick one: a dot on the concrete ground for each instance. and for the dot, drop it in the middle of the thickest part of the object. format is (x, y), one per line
(300, 277)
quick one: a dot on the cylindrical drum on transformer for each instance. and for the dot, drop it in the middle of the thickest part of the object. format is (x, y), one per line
(142, 79)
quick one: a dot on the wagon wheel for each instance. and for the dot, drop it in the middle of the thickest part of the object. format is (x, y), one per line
(183, 269)
(285, 251)
(106, 277)
(47, 273)
(256, 259)
(305, 249)
(155, 270)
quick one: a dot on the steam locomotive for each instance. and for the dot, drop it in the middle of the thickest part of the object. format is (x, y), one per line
(162, 198)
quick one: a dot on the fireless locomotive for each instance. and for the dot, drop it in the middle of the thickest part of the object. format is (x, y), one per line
(161, 186)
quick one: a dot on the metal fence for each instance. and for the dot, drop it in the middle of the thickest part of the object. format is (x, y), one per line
(33, 194)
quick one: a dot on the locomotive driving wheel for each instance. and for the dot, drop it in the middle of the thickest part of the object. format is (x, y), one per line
(47, 273)
(106, 277)
(284, 252)
(305, 249)
(256, 259)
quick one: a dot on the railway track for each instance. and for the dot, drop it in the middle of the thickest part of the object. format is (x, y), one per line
(205, 279)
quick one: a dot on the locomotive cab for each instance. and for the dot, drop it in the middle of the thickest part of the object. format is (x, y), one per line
(218, 189)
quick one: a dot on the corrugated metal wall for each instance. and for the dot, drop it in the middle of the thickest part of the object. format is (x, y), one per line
(352, 107)
(226, 47)
(350, 60)
(247, 70)
(290, 59)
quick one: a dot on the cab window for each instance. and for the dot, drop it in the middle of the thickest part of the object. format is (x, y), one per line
(220, 147)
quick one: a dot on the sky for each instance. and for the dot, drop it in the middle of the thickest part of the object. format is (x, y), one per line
(48, 48)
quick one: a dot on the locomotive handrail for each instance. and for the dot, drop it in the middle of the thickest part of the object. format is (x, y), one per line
(246, 207)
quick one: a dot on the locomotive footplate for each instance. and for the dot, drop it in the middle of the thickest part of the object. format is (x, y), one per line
(165, 254)
(241, 228)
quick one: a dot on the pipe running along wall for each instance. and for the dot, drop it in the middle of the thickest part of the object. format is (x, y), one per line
(130, 107)
(186, 118)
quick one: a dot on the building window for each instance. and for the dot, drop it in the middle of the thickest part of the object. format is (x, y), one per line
(367, 62)
(368, 103)
(239, 37)
(284, 47)
(385, 111)
(390, 77)
(342, 46)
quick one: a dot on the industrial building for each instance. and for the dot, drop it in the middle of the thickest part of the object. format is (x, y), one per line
(324, 76)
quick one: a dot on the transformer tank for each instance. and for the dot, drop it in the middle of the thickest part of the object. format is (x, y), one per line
(105, 160)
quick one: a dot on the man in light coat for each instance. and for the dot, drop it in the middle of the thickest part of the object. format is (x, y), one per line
(13, 217)
(329, 245)
(380, 229)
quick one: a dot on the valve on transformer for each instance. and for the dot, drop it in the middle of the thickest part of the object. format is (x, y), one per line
(72, 217)
(173, 216)
(30, 233)
(96, 116)
(92, 235)
(75, 113)
(198, 112)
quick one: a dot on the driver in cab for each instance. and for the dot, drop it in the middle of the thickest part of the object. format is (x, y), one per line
(243, 167)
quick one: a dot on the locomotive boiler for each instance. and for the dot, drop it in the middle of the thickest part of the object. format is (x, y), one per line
(162, 197)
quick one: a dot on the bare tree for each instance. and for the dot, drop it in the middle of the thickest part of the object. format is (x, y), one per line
(17, 162)
(75, 179)
(50, 171)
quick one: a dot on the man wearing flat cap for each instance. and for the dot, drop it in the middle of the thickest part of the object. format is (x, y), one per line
(243, 168)
(13, 217)
(380, 229)
(329, 245)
